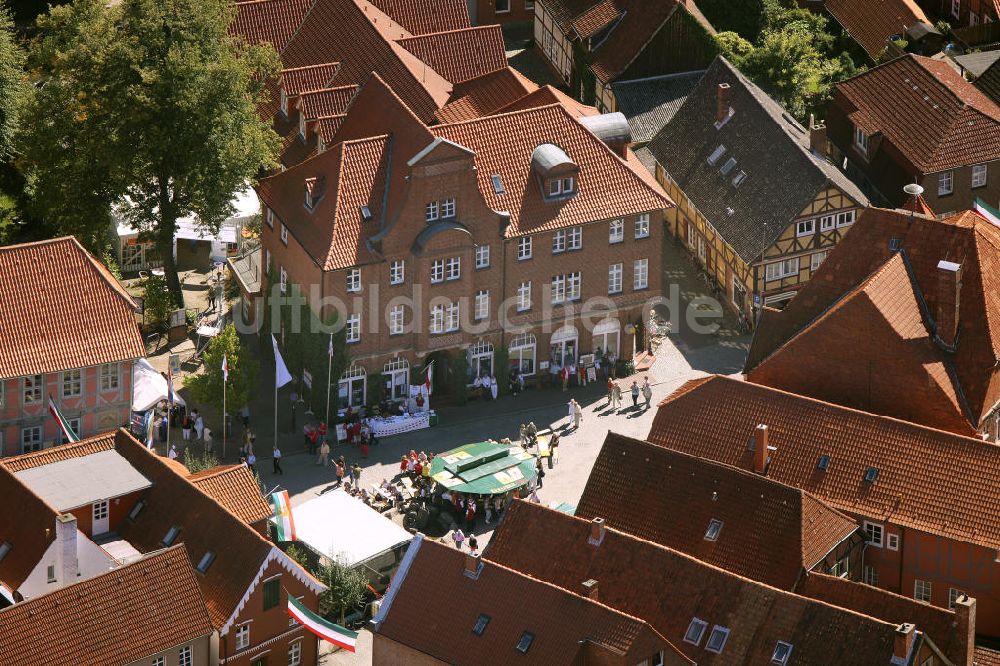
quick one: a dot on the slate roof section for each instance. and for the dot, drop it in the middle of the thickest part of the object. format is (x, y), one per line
(437, 605)
(420, 17)
(485, 95)
(989, 82)
(908, 359)
(976, 63)
(871, 24)
(234, 487)
(925, 110)
(668, 589)
(649, 104)
(271, 21)
(928, 480)
(118, 617)
(62, 309)
(770, 532)
(460, 55)
(767, 144)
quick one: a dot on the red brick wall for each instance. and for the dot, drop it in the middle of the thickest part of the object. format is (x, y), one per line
(517, 11)
(118, 509)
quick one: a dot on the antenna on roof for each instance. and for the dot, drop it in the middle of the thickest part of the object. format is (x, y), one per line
(914, 190)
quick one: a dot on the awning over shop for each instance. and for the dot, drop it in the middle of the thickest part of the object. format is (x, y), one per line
(484, 468)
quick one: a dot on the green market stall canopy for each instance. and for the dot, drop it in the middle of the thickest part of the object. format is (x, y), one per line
(484, 468)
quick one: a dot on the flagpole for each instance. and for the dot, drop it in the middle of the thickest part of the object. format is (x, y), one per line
(224, 418)
(329, 378)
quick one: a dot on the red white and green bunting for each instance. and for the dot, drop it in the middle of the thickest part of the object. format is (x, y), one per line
(63, 423)
(282, 515)
(328, 631)
(987, 211)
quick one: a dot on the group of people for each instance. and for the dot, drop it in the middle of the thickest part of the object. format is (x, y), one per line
(416, 465)
(615, 393)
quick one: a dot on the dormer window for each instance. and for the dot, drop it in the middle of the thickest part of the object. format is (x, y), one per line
(313, 191)
(555, 170)
(861, 140)
(284, 103)
(448, 208)
(432, 211)
(302, 126)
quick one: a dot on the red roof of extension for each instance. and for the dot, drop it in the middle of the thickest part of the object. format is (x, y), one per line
(327, 126)
(871, 24)
(926, 110)
(927, 479)
(421, 17)
(363, 40)
(668, 589)
(549, 95)
(503, 145)
(62, 309)
(437, 605)
(485, 95)
(313, 77)
(863, 292)
(271, 21)
(770, 532)
(234, 487)
(329, 102)
(984, 656)
(460, 55)
(119, 617)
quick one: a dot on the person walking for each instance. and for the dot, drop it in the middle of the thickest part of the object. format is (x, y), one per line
(324, 453)
(356, 474)
(647, 391)
(340, 473)
(635, 394)
(577, 414)
(611, 393)
(206, 436)
(565, 377)
(569, 412)
(199, 426)
(276, 460)
(172, 453)
(186, 427)
(618, 396)
(459, 537)
(539, 471)
(553, 450)
(252, 461)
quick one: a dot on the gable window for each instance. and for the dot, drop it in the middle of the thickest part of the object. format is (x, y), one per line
(243, 636)
(873, 533)
(861, 140)
(978, 175)
(559, 241)
(32, 390)
(397, 271)
(270, 218)
(869, 575)
(616, 231)
(282, 279)
(284, 234)
(615, 279)
(109, 376)
(454, 268)
(525, 643)
(396, 314)
(437, 271)
(295, 653)
(782, 651)
(431, 211)
(574, 239)
(185, 656)
(816, 259)
(695, 631)
(846, 218)
(353, 280)
(302, 126)
(892, 541)
(946, 183)
(50, 573)
(480, 625)
(524, 248)
(448, 208)
(482, 256)
(482, 306)
(642, 226)
(640, 274)
(716, 154)
(717, 639)
(805, 227)
(714, 527)
(72, 383)
(827, 222)
(524, 296)
(922, 590)
(954, 595)
(31, 439)
(353, 329)
(841, 568)
(160, 661)
(555, 187)
(272, 593)
(780, 269)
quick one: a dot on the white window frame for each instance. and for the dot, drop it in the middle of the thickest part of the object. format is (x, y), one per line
(109, 377)
(574, 239)
(282, 279)
(953, 594)
(33, 442)
(828, 223)
(397, 271)
(979, 173)
(432, 212)
(353, 280)
(270, 218)
(524, 248)
(243, 636)
(568, 184)
(779, 659)
(555, 187)
(76, 425)
(892, 541)
(353, 329)
(698, 628)
(32, 388)
(841, 568)
(616, 231)
(922, 590)
(777, 270)
(397, 315)
(437, 271)
(717, 630)
(869, 575)
(284, 234)
(642, 226)
(452, 317)
(805, 227)
(615, 273)
(640, 274)
(574, 286)
(846, 218)
(946, 183)
(482, 305)
(524, 296)
(871, 529)
(73, 381)
(295, 653)
(518, 346)
(453, 268)
(558, 289)
(159, 661)
(861, 140)
(448, 208)
(437, 319)
(559, 241)
(816, 259)
(482, 256)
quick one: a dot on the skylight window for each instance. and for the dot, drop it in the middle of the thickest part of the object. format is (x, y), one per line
(206, 562)
(481, 625)
(695, 631)
(871, 474)
(738, 179)
(171, 535)
(4, 549)
(716, 154)
(728, 166)
(497, 185)
(717, 640)
(782, 651)
(525, 642)
(824, 463)
(137, 509)
(366, 213)
(714, 527)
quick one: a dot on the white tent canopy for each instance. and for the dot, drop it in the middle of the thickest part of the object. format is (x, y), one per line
(338, 525)
(245, 203)
(148, 387)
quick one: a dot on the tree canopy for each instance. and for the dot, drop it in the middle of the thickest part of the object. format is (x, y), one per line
(207, 386)
(147, 108)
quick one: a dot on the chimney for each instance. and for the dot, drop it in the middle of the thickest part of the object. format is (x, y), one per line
(760, 449)
(965, 618)
(69, 566)
(472, 566)
(596, 532)
(817, 139)
(949, 292)
(722, 103)
(903, 643)
(590, 589)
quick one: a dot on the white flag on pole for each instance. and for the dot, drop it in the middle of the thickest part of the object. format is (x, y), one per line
(281, 374)
(330, 348)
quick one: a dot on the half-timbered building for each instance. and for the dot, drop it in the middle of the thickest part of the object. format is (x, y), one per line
(759, 204)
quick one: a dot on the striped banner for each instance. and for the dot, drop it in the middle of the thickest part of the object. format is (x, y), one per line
(63, 423)
(283, 520)
(328, 631)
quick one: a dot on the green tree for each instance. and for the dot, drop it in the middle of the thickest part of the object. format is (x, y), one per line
(199, 462)
(147, 108)
(156, 302)
(347, 588)
(13, 85)
(206, 387)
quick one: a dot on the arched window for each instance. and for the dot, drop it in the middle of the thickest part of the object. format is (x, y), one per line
(353, 386)
(397, 378)
(523, 353)
(481, 359)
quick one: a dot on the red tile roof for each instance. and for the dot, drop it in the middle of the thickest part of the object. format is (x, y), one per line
(549, 95)
(872, 24)
(485, 96)
(928, 480)
(234, 487)
(596, 18)
(313, 77)
(984, 656)
(119, 617)
(437, 605)
(271, 21)
(460, 55)
(822, 305)
(327, 126)
(926, 110)
(62, 309)
(421, 17)
(668, 589)
(327, 102)
(770, 532)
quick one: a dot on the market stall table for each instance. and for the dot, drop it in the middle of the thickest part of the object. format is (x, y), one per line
(396, 425)
(484, 468)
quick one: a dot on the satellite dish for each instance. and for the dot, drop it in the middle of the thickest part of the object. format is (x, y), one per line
(913, 190)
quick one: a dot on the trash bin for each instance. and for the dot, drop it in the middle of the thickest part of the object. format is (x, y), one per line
(433, 418)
